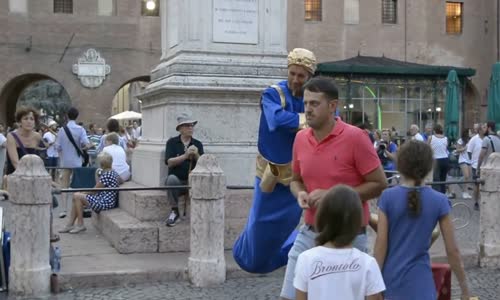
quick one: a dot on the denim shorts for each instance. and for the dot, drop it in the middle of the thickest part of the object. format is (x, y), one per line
(305, 241)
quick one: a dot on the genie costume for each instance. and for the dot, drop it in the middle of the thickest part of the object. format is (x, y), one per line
(269, 234)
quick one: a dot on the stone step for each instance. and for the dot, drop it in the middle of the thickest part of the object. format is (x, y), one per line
(144, 205)
(129, 234)
(126, 233)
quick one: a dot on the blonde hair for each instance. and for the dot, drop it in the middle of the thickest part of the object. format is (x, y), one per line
(105, 160)
(113, 138)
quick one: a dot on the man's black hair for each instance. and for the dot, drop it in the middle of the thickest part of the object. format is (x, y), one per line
(73, 113)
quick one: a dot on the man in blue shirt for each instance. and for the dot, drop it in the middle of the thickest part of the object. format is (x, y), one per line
(68, 155)
(264, 244)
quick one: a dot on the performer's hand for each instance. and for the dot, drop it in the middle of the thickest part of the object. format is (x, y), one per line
(303, 199)
(316, 196)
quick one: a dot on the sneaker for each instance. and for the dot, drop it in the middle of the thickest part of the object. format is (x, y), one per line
(476, 206)
(172, 218)
(62, 214)
(78, 229)
(450, 195)
(66, 229)
(466, 195)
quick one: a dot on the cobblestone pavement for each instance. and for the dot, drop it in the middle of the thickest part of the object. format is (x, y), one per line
(483, 283)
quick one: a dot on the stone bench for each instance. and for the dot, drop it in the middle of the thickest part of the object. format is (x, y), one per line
(138, 225)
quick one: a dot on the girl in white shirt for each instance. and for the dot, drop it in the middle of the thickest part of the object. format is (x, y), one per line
(334, 267)
(439, 145)
(464, 161)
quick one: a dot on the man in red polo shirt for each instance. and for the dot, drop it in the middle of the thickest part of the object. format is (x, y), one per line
(328, 153)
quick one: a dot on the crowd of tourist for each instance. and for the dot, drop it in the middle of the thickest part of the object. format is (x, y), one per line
(310, 163)
(69, 148)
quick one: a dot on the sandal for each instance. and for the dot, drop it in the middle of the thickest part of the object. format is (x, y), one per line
(55, 238)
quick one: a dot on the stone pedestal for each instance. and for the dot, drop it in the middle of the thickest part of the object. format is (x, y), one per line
(206, 264)
(217, 57)
(489, 220)
(30, 197)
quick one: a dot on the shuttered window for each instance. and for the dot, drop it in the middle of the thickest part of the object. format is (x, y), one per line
(312, 10)
(454, 17)
(63, 6)
(389, 11)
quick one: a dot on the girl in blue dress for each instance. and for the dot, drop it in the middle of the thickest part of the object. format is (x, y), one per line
(407, 216)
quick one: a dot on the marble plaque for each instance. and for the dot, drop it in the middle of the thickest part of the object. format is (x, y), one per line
(91, 69)
(235, 21)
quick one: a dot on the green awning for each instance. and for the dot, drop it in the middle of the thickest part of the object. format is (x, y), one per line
(386, 66)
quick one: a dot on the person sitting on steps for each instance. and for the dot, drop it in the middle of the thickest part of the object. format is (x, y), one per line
(106, 177)
(181, 154)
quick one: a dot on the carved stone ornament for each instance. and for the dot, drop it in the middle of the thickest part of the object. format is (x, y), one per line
(91, 69)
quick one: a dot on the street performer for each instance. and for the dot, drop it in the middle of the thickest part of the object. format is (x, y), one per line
(269, 233)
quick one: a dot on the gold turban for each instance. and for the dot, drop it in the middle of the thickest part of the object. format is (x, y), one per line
(302, 57)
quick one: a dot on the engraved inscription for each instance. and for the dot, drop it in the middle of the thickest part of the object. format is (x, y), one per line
(235, 21)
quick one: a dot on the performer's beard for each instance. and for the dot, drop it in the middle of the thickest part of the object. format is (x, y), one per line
(298, 93)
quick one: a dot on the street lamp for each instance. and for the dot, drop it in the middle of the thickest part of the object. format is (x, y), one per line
(150, 4)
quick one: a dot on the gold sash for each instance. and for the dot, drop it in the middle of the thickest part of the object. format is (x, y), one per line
(271, 173)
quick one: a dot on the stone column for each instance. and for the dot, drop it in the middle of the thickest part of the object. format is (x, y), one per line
(217, 57)
(30, 196)
(489, 220)
(206, 265)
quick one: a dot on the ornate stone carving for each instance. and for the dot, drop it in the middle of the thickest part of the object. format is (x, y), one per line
(91, 69)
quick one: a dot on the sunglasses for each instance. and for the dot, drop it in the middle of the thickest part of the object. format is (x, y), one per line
(188, 125)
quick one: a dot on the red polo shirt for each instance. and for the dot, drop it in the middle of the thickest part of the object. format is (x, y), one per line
(343, 157)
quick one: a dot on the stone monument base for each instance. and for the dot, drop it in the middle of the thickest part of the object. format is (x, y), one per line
(138, 225)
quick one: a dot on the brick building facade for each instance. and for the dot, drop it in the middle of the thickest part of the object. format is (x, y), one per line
(43, 39)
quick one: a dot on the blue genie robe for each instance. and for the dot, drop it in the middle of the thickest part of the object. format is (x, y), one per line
(269, 234)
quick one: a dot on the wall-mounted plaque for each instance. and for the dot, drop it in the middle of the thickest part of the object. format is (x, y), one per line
(91, 69)
(236, 21)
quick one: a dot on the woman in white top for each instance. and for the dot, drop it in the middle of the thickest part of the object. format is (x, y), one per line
(463, 160)
(439, 145)
(120, 165)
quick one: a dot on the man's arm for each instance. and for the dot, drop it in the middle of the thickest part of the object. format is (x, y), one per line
(298, 189)
(375, 182)
(482, 155)
(175, 161)
(171, 158)
(485, 145)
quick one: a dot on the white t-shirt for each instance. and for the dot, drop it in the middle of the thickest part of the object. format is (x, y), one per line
(346, 273)
(474, 147)
(3, 141)
(50, 138)
(439, 147)
(418, 137)
(119, 159)
(463, 157)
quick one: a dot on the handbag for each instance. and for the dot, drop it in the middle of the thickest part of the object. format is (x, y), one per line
(80, 152)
